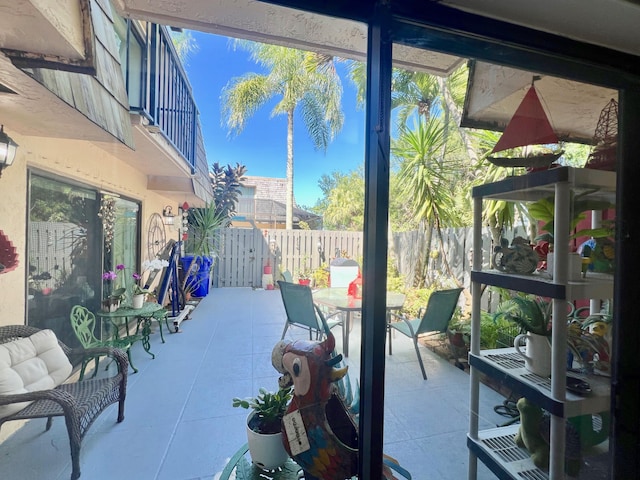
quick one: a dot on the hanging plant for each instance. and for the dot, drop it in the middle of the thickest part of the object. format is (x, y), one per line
(108, 215)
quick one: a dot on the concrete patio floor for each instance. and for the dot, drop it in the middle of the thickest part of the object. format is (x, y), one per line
(180, 425)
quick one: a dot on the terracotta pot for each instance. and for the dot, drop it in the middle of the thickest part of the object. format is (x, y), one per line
(304, 281)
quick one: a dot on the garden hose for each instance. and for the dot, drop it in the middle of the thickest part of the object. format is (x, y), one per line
(508, 408)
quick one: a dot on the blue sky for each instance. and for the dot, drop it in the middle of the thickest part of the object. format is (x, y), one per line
(262, 145)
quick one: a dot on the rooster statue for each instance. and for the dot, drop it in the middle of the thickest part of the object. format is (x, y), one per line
(319, 431)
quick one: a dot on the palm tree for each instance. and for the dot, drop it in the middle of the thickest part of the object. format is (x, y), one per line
(427, 179)
(304, 82)
(184, 44)
(414, 92)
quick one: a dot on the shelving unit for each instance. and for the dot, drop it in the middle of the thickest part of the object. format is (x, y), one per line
(496, 447)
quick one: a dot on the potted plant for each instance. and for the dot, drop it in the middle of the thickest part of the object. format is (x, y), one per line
(602, 249)
(304, 277)
(202, 246)
(115, 295)
(138, 295)
(264, 424)
(533, 315)
(305, 274)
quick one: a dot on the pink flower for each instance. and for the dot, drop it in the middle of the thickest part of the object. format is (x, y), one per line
(110, 275)
(137, 277)
(120, 267)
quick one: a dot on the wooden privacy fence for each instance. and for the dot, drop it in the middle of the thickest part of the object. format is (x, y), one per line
(244, 253)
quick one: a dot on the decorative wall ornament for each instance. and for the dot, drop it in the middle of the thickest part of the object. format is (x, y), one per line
(8, 254)
(108, 215)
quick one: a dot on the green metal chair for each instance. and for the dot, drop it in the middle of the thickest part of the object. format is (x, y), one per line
(83, 322)
(286, 276)
(302, 312)
(435, 320)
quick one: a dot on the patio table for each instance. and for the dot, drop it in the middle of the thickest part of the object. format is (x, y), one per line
(143, 317)
(337, 299)
(240, 465)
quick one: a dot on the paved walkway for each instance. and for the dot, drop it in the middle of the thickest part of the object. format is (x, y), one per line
(180, 425)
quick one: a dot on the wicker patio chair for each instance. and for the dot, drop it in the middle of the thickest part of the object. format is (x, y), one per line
(79, 402)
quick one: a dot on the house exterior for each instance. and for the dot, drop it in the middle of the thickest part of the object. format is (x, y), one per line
(108, 135)
(262, 205)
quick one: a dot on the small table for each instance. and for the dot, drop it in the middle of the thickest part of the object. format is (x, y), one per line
(337, 298)
(241, 464)
(143, 316)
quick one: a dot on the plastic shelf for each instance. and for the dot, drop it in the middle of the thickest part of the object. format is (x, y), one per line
(497, 449)
(507, 366)
(595, 285)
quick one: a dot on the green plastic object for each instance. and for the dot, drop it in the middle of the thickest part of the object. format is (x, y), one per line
(592, 429)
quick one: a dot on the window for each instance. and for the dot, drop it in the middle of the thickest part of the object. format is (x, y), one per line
(68, 249)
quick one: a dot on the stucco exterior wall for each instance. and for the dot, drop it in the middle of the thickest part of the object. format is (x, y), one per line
(13, 211)
(74, 160)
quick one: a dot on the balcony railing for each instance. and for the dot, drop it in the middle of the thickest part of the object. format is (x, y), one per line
(164, 95)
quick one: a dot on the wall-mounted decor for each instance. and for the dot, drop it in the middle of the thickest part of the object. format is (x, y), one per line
(8, 255)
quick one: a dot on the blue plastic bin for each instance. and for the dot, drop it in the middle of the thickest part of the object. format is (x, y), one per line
(198, 279)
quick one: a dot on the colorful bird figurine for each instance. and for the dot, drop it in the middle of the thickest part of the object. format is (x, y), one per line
(319, 431)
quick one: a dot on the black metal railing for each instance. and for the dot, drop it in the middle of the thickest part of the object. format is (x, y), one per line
(167, 99)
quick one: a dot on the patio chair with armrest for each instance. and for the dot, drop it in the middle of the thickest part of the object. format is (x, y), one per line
(286, 276)
(435, 320)
(302, 312)
(83, 322)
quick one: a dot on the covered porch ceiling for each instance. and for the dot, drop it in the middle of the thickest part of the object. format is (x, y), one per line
(494, 91)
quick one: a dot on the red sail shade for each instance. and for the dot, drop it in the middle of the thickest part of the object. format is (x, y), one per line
(528, 126)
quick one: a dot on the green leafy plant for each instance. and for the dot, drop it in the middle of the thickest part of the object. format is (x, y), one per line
(205, 224)
(270, 407)
(544, 211)
(532, 314)
(304, 272)
(321, 276)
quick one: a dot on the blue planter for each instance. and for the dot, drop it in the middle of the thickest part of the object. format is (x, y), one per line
(198, 279)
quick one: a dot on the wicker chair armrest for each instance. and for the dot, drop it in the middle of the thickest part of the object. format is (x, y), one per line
(64, 399)
(118, 355)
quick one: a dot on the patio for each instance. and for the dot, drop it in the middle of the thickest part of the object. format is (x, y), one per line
(180, 425)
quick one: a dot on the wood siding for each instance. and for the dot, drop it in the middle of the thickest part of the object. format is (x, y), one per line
(244, 253)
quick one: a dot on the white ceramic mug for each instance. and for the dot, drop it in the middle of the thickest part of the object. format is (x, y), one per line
(537, 356)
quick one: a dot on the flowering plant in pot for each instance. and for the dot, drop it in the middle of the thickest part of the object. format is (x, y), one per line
(138, 292)
(114, 294)
(264, 426)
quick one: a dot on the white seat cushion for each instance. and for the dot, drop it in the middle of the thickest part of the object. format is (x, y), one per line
(29, 364)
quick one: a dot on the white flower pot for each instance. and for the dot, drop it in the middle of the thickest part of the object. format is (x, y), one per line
(266, 450)
(137, 300)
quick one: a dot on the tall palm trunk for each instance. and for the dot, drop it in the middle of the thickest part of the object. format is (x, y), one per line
(289, 197)
(452, 108)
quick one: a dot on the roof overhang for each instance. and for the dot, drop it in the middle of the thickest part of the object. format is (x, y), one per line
(495, 92)
(607, 23)
(268, 23)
